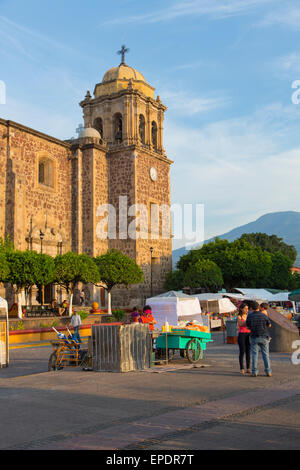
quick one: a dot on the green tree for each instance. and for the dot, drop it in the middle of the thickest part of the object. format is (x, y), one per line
(6, 244)
(4, 267)
(21, 273)
(280, 276)
(116, 268)
(241, 264)
(5, 247)
(294, 281)
(70, 269)
(43, 269)
(174, 280)
(271, 243)
(204, 273)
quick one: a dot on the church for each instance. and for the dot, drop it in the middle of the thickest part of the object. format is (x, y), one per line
(54, 193)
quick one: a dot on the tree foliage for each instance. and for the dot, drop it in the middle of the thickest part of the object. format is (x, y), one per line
(29, 268)
(71, 268)
(271, 243)
(204, 273)
(115, 267)
(174, 280)
(255, 261)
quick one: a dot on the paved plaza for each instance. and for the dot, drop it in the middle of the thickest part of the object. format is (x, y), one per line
(178, 407)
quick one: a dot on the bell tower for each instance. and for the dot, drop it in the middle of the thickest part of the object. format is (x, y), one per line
(130, 121)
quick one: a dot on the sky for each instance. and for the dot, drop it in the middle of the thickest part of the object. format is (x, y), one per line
(224, 68)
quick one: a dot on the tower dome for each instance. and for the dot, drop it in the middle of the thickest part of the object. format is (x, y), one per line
(123, 72)
(121, 78)
(89, 132)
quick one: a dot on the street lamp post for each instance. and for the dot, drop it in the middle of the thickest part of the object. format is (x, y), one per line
(151, 286)
(41, 238)
(29, 243)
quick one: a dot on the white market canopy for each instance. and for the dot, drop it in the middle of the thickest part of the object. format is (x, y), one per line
(281, 297)
(253, 294)
(208, 296)
(174, 306)
(258, 295)
(216, 303)
(173, 293)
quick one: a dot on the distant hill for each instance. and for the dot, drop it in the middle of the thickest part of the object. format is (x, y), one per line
(285, 225)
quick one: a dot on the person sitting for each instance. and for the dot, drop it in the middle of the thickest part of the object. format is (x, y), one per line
(147, 318)
(63, 310)
(135, 315)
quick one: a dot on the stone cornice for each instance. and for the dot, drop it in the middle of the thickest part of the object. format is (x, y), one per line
(94, 101)
(31, 131)
(81, 146)
(137, 148)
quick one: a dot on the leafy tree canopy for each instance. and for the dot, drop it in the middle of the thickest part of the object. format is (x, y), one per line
(174, 280)
(115, 267)
(71, 268)
(241, 264)
(204, 273)
(271, 243)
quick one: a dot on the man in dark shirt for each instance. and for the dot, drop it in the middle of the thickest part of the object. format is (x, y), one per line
(258, 323)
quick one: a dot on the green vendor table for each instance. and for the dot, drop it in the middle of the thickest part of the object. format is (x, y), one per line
(190, 343)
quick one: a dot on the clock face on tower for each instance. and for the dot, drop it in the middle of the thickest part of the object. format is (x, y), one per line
(153, 174)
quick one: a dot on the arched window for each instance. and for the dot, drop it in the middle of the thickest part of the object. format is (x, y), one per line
(142, 128)
(118, 128)
(41, 173)
(46, 172)
(154, 134)
(98, 124)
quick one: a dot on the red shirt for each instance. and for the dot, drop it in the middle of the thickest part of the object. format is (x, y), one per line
(147, 318)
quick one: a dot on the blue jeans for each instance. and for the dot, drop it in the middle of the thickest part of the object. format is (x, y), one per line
(261, 343)
(76, 335)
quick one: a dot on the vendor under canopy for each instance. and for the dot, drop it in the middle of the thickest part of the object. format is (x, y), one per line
(147, 317)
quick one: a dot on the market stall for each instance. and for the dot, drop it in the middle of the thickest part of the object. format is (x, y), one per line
(175, 307)
(216, 306)
(4, 334)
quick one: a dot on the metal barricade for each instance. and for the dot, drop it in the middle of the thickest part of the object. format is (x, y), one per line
(121, 348)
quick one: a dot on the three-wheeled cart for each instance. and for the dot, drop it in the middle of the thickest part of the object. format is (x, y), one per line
(190, 343)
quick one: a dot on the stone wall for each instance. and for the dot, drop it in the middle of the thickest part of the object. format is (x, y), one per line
(149, 193)
(30, 206)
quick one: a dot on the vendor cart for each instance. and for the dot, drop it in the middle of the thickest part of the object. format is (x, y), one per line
(190, 343)
(67, 353)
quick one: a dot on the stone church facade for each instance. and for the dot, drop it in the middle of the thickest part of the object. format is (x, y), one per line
(53, 193)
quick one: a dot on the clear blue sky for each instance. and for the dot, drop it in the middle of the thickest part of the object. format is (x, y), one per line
(224, 68)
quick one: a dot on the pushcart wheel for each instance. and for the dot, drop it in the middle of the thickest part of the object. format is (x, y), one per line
(52, 364)
(194, 351)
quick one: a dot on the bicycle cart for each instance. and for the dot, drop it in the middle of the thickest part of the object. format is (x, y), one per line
(67, 353)
(190, 343)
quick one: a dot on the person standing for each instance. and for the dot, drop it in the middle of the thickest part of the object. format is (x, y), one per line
(76, 323)
(135, 315)
(243, 338)
(258, 323)
(147, 317)
(82, 297)
(264, 309)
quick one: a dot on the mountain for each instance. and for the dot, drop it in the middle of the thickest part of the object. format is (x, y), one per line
(285, 225)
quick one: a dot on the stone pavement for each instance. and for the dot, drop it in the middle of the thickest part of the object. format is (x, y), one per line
(186, 408)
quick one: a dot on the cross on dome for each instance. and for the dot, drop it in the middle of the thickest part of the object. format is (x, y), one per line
(122, 52)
